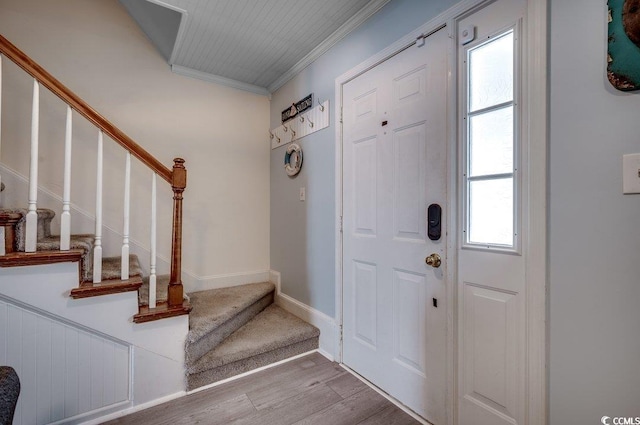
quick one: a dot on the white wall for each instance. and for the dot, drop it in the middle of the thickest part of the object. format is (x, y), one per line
(98, 51)
(303, 233)
(594, 236)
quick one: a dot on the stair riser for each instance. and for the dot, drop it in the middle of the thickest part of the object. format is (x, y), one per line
(195, 350)
(87, 258)
(232, 369)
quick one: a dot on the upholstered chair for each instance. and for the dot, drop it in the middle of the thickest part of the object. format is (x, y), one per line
(9, 391)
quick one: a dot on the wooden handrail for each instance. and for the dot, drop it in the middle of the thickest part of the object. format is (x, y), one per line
(36, 71)
(176, 177)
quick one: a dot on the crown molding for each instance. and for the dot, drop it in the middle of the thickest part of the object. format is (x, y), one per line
(223, 81)
(354, 22)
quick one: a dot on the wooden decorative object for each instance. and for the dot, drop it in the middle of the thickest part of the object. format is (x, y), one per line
(623, 68)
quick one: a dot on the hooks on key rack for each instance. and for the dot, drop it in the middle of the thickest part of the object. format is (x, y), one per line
(271, 136)
(300, 125)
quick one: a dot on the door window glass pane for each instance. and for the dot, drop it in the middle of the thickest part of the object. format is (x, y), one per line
(491, 212)
(491, 73)
(491, 142)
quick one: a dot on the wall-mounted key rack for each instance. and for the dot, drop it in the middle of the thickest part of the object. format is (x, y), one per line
(302, 125)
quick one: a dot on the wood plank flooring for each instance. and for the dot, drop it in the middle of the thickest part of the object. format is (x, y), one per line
(307, 390)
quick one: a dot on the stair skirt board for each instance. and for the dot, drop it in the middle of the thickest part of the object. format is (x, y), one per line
(241, 366)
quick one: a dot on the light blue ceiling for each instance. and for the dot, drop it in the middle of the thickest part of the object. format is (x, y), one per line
(256, 45)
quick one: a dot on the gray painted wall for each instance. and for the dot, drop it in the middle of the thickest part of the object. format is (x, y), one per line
(594, 229)
(302, 233)
(594, 236)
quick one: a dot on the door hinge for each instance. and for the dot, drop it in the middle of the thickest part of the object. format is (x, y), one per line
(341, 115)
(341, 224)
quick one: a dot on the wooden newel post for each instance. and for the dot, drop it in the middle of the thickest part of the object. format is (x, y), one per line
(178, 184)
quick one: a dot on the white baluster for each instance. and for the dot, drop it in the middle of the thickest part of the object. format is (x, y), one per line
(65, 218)
(31, 232)
(152, 274)
(97, 248)
(124, 265)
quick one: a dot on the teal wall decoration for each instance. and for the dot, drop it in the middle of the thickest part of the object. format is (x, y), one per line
(623, 59)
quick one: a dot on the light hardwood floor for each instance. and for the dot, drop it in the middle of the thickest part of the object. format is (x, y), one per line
(307, 390)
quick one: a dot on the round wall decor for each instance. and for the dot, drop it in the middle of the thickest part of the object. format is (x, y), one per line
(293, 159)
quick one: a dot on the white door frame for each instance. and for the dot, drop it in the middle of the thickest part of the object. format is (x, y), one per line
(535, 108)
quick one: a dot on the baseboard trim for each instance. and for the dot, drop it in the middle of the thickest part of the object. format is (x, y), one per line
(204, 283)
(329, 331)
(134, 409)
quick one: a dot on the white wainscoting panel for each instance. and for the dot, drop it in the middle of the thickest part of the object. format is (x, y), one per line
(65, 370)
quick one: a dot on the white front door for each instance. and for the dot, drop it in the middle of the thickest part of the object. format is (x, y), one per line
(394, 167)
(492, 250)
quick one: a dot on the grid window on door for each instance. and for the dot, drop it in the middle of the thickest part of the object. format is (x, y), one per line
(490, 143)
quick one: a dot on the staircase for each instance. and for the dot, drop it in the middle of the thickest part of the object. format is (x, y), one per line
(231, 330)
(81, 251)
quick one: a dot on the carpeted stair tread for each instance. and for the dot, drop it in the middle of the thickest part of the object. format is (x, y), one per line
(83, 241)
(272, 329)
(111, 267)
(162, 288)
(162, 285)
(211, 309)
(111, 283)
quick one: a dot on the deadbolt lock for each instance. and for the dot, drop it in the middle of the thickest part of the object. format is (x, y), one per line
(434, 260)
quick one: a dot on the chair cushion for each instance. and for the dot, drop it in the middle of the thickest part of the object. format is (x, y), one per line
(9, 392)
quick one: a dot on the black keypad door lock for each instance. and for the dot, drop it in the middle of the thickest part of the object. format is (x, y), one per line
(434, 220)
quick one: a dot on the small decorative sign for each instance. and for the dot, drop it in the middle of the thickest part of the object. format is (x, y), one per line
(297, 108)
(623, 59)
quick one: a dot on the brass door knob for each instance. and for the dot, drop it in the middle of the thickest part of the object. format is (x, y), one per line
(434, 260)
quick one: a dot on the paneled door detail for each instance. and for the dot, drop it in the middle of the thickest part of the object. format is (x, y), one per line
(491, 266)
(395, 162)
